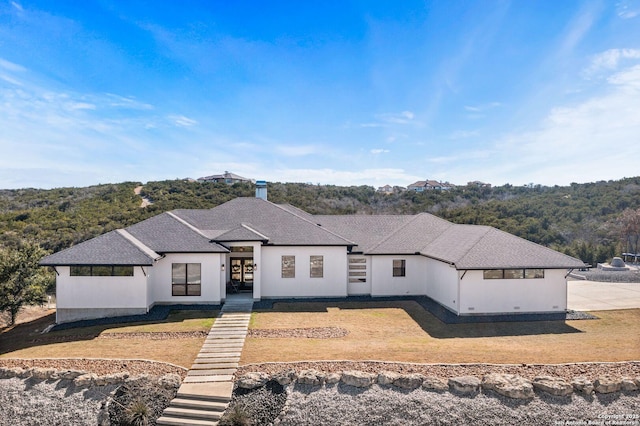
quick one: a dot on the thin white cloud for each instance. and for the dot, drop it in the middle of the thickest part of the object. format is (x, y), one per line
(392, 119)
(377, 151)
(610, 60)
(296, 150)
(10, 66)
(372, 177)
(628, 9)
(18, 6)
(182, 121)
(482, 107)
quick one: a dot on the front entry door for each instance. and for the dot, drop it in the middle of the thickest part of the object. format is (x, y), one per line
(242, 272)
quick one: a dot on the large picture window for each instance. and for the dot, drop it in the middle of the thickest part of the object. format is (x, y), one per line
(101, 271)
(399, 267)
(316, 266)
(288, 266)
(185, 279)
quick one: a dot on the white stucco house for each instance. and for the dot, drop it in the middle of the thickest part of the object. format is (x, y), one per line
(279, 251)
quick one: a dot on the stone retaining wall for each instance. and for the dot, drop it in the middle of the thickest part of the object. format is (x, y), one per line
(509, 385)
(82, 379)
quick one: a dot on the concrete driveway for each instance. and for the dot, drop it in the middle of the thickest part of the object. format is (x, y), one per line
(599, 296)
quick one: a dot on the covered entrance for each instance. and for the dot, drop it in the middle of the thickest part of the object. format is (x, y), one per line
(242, 273)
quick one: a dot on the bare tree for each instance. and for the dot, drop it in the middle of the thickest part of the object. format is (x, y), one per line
(630, 229)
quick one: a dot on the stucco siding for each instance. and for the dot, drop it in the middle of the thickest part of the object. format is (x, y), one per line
(484, 296)
(160, 278)
(332, 284)
(442, 284)
(383, 283)
(94, 297)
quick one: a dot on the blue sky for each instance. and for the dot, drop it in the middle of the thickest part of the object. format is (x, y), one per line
(332, 92)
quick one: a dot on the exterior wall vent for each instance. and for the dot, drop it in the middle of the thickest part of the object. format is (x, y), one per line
(261, 189)
(471, 308)
(516, 308)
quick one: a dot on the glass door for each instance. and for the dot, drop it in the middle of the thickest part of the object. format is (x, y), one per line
(242, 272)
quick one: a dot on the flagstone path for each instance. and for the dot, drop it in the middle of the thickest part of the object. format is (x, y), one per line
(206, 391)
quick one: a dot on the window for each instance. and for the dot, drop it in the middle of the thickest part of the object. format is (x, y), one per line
(512, 274)
(288, 266)
(493, 274)
(185, 279)
(317, 266)
(399, 267)
(357, 269)
(534, 273)
(101, 271)
(241, 249)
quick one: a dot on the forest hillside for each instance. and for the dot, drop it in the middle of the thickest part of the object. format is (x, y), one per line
(584, 220)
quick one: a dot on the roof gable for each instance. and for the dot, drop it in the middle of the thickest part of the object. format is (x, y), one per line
(281, 225)
(111, 248)
(167, 234)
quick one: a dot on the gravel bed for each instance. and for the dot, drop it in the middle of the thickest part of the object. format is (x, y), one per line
(152, 397)
(632, 276)
(346, 405)
(262, 405)
(529, 371)
(153, 335)
(99, 366)
(305, 333)
(31, 402)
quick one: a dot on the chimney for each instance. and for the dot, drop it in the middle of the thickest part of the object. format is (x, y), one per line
(261, 189)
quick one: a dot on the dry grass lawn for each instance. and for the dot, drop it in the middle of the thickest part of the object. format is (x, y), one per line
(404, 331)
(25, 340)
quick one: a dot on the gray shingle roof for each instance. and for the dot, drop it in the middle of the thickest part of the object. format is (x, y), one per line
(366, 230)
(242, 233)
(166, 234)
(254, 219)
(483, 247)
(412, 236)
(279, 224)
(111, 248)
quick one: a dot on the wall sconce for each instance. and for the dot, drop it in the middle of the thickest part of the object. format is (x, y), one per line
(222, 267)
(255, 266)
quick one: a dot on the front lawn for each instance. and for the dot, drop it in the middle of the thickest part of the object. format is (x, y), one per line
(403, 331)
(136, 341)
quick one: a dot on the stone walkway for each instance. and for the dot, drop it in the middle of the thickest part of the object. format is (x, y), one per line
(206, 391)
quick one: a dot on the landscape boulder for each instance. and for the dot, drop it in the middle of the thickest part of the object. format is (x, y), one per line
(435, 384)
(70, 374)
(553, 385)
(359, 379)
(607, 384)
(464, 384)
(387, 377)
(168, 381)
(252, 380)
(285, 377)
(333, 378)
(8, 373)
(509, 385)
(583, 385)
(85, 381)
(409, 381)
(628, 384)
(311, 377)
